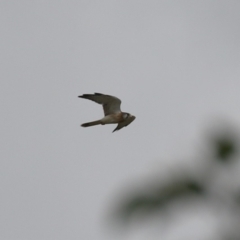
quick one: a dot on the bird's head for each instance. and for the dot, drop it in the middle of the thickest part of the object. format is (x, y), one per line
(128, 116)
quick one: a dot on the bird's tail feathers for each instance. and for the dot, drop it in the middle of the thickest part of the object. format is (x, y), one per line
(89, 124)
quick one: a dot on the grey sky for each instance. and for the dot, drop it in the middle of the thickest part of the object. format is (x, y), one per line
(174, 64)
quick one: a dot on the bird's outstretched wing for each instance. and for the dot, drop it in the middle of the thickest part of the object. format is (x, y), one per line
(110, 104)
(124, 124)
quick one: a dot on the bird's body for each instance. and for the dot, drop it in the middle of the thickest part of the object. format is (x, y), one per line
(112, 111)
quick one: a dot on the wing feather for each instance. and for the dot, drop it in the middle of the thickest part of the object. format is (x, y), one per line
(125, 123)
(110, 103)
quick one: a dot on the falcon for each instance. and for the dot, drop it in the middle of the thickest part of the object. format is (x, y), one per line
(112, 111)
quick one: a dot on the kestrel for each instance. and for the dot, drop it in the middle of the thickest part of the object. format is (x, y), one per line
(112, 111)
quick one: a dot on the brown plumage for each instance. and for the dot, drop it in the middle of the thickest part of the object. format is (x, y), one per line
(112, 111)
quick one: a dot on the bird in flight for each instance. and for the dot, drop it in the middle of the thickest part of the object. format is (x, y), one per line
(112, 111)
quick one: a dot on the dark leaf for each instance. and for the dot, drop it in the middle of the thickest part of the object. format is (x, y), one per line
(225, 148)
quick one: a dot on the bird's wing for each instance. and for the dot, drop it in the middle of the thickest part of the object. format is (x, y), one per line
(124, 124)
(110, 104)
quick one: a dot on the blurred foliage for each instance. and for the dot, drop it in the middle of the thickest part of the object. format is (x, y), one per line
(156, 199)
(224, 146)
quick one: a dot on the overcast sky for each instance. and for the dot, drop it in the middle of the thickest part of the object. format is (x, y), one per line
(174, 64)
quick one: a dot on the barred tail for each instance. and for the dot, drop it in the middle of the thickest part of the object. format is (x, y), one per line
(89, 124)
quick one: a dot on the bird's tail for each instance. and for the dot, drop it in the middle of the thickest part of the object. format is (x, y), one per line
(89, 124)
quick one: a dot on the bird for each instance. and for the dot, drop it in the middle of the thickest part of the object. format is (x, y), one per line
(112, 111)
